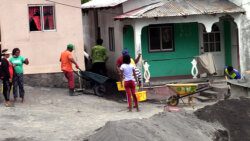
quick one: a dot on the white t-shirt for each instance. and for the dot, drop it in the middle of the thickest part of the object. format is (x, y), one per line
(127, 72)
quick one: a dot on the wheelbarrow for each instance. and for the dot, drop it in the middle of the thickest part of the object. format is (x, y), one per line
(184, 90)
(96, 81)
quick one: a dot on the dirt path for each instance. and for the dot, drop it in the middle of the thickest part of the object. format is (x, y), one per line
(51, 115)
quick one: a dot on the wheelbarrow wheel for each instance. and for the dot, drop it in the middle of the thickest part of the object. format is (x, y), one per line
(99, 90)
(173, 100)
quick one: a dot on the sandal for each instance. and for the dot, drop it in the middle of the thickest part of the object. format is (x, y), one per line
(8, 104)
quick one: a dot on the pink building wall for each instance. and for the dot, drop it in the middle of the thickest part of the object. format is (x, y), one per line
(43, 48)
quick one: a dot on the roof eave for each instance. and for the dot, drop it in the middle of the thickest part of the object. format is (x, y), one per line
(144, 17)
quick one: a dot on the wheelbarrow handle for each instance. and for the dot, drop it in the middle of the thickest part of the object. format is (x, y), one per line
(79, 69)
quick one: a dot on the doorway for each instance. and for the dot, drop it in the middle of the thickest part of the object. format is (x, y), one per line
(212, 42)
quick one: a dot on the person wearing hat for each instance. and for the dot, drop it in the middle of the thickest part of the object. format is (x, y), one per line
(119, 62)
(17, 61)
(7, 76)
(66, 60)
(125, 52)
(99, 58)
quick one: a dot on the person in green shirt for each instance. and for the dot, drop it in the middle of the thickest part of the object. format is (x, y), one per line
(99, 58)
(17, 61)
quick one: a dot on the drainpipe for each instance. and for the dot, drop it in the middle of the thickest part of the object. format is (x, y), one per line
(96, 23)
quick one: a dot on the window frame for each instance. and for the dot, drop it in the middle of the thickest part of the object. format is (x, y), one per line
(42, 17)
(171, 26)
(111, 33)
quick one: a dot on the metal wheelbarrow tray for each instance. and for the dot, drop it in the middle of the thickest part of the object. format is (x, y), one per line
(96, 81)
(184, 90)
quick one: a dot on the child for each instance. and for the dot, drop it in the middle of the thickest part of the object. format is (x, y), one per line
(129, 76)
(7, 76)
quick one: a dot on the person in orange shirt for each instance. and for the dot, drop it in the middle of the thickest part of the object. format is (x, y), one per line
(66, 60)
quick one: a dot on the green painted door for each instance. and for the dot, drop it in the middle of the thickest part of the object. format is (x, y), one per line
(128, 40)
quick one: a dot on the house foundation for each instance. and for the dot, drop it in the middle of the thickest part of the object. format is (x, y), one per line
(55, 80)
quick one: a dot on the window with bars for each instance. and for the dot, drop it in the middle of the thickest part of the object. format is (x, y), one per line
(161, 38)
(42, 18)
(211, 41)
(111, 39)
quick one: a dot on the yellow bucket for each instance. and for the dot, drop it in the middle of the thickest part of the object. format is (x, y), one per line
(141, 96)
(120, 87)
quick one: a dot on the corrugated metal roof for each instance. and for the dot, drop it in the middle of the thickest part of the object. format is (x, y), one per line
(170, 8)
(102, 3)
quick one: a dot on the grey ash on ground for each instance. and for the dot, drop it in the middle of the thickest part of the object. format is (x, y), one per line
(233, 114)
(166, 126)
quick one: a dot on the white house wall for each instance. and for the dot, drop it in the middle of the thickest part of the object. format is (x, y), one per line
(106, 20)
(88, 30)
(243, 23)
(42, 48)
(237, 2)
(245, 39)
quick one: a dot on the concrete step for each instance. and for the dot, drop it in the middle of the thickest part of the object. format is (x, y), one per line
(221, 89)
(219, 80)
(209, 94)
